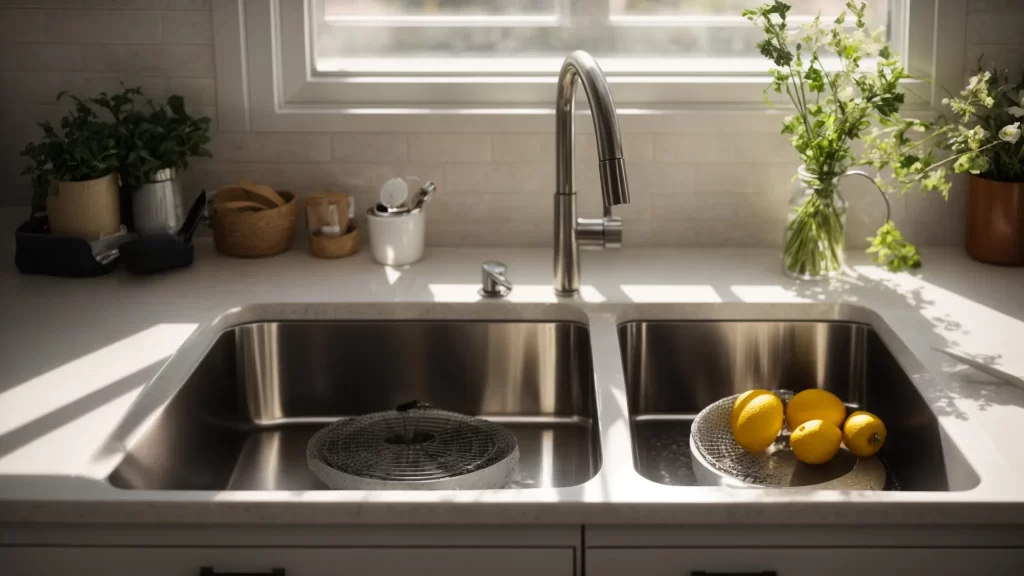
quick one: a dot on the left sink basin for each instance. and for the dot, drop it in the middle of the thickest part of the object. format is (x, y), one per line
(242, 419)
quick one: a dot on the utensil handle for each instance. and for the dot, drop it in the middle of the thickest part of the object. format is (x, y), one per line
(209, 571)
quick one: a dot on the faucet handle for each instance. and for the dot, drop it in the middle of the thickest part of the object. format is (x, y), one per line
(598, 233)
(495, 282)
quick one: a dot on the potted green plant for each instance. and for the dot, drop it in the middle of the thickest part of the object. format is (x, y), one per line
(73, 174)
(156, 142)
(995, 195)
(836, 107)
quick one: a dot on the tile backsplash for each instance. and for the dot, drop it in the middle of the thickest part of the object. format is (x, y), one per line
(689, 188)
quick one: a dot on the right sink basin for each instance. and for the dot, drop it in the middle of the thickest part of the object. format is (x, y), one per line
(674, 369)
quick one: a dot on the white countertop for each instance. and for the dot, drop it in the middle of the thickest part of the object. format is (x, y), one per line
(76, 352)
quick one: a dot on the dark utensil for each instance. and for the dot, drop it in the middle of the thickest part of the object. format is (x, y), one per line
(195, 216)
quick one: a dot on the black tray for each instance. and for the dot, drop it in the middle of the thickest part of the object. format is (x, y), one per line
(38, 251)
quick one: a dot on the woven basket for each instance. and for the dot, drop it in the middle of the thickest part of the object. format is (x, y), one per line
(254, 233)
(334, 246)
(330, 246)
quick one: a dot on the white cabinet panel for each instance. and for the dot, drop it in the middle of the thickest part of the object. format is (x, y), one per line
(804, 561)
(103, 561)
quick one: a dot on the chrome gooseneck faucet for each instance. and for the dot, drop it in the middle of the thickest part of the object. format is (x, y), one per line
(572, 233)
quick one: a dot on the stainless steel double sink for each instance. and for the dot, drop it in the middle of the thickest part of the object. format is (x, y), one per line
(243, 415)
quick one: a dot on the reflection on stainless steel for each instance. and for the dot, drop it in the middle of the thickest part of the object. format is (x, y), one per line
(571, 233)
(675, 369)
(243, 418)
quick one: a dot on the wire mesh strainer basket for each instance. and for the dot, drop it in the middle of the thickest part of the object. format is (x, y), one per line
(719, 460)
(418, 448)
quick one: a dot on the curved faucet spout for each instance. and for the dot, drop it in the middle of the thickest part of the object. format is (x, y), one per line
(572, 233)
(581, 66)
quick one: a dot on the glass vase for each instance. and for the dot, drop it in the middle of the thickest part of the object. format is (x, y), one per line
(815, 230)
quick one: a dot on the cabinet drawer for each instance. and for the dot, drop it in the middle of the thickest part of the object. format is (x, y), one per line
(102, 561)
(805, 561)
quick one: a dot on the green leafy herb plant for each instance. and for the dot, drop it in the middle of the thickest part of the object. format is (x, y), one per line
(152, 137)
(839, 105)
(84, 148)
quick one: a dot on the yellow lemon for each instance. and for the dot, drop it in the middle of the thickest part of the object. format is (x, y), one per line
(815, 404)
(758, 422)
(864, 433)
(815, 442)
(742, 401)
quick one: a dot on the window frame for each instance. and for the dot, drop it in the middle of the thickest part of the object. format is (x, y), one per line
(266, 81)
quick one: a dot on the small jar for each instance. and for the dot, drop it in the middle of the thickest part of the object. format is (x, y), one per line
(815, 229)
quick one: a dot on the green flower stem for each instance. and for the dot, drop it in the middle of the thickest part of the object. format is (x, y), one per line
(815, 238)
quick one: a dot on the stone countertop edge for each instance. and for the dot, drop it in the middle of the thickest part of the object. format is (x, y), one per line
(77, 352)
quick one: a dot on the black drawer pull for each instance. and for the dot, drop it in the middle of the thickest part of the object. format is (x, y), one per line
(208, 571)
(705, 573)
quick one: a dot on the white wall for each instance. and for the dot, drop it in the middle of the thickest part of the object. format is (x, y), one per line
(708, 188)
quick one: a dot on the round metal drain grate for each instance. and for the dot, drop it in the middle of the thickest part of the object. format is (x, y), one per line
(419, 448)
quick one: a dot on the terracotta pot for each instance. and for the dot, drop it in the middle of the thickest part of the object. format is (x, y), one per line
(995, 221)
(89, 209)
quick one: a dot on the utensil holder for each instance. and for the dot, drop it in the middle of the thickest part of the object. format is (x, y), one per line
(397, 240)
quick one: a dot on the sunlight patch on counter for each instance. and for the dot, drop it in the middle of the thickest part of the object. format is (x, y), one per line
(392, 274)
(670, 293)
(455, 292)
(774, 294)
(591, 294)
(89, 374)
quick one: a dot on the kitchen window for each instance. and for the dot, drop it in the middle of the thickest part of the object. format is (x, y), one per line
(311, 60)
(485, 37)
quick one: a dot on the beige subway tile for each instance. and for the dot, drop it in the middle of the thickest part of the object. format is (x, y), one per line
(22, 25)
(449, 147)
(91, 84)
(520, 148)
(198, 93)
(363, 147)
(46, 57)
(187, 27)
(500, 179)
(1004, 57)
(103, 26)
(996, 29)
(695, 147)
(692, 230)
(662, 179)
(268, 147)
(137, 59)
(32, 88)
(187, 61)
(1004, 6)
(501, 221)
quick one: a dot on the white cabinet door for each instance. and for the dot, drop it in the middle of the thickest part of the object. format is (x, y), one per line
(103, 561)
(804, 562)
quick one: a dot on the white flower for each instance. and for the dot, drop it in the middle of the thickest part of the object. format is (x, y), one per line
(1017, 111)
(847, 94)
(1010, 133)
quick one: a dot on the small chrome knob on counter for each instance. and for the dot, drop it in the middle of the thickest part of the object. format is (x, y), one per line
(495, 281)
